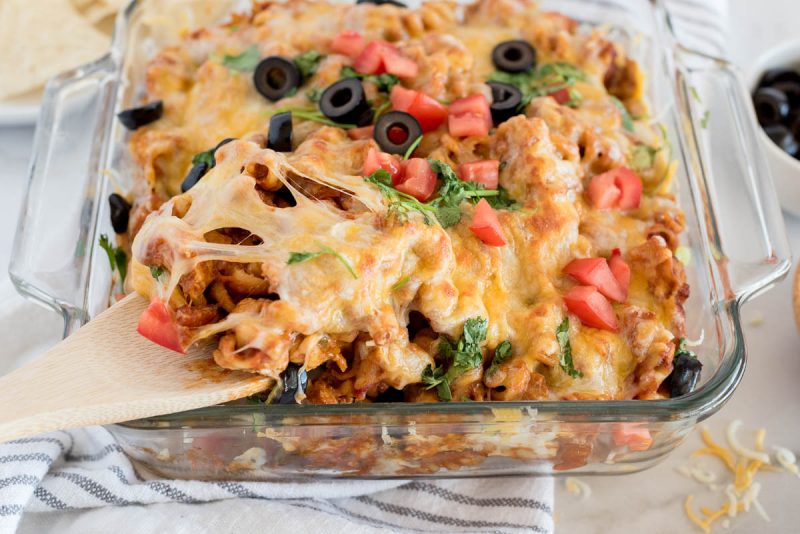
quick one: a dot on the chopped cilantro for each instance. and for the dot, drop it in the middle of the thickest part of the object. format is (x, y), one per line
(400, 283)
(575, 99)
(400, 204)
(246, 61)
(461, 355)
(314, 115)
(502, 352)
(695, 94)
(307, 63)
(156, 272)
(412, 148)
(206, 157)
(300, 257)
(384, 82)
(541, 81)
(565, 354)
(502, 201)
(116, 257)
(314, 94)
(627, 121)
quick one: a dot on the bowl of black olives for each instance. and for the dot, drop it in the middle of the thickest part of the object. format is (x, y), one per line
(775, 90)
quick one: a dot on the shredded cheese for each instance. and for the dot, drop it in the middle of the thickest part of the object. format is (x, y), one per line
(741, 493)
(786, 459)
(737, 447)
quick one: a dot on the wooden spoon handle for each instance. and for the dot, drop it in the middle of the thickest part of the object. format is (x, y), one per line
(107, 373)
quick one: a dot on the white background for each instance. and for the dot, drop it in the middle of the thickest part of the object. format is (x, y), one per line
(652, 501)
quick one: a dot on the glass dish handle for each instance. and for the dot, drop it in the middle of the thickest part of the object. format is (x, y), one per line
(53, 245)
(748, 240)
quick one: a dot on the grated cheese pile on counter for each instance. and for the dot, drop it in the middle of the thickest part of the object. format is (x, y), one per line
(741, 494)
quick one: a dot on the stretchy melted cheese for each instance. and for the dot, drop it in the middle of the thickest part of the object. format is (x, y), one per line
(225, 244)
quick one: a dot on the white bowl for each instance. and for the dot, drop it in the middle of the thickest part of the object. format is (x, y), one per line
(785, 169)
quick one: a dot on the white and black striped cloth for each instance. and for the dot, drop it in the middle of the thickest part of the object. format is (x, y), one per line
(87, 485)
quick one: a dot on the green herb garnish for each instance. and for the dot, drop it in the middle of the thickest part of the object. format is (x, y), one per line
(206, 157)
(565, 354)
(541, 81)
(309, 114)
(575, 99)
(400, 204)
(461, 355)
(695, 94)
(116, 257)
(384, 82)
(412, 148)
(627, 121)
(314, 94)
(299, 257)
(246, 61)
(681, 349)
(400, 283)
(156, 272)
(307, 63)
(502, 352)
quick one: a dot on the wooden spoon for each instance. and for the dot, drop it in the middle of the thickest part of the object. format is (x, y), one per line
(107, 373)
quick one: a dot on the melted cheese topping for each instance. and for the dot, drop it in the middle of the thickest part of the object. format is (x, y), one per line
(226, 242)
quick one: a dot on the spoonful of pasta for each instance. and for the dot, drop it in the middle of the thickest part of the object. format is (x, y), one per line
(107, 373)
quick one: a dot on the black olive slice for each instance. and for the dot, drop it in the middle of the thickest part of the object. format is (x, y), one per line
(685, 373)
(382, 2)
(134, 118)
(120, 211)
(396, 131)
(782, 137)
(772, 106)
(275, 77)
(791, 90)
(345, 102)
(224, 142)
(280, 132)
(773, 76)
(197, 171)
(294, 380)
(514, 56)
(506, 101)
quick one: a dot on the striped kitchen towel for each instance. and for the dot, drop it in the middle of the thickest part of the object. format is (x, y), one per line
(68, 472)
(87, 485)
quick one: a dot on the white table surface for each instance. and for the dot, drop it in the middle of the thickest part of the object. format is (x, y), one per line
(651, 501)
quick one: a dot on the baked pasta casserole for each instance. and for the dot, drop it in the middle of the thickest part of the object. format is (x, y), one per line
(372, 203)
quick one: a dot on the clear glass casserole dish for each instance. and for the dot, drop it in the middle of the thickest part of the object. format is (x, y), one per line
(735, 241)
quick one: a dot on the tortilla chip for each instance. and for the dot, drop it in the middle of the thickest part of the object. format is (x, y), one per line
(36, 43)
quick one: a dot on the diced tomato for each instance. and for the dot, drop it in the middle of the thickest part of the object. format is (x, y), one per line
(381, 160)
(635, 435)
(631, 186)
(469, 116)
(621, 270)
(379, 57)
(419, 179)
(484, 172)
(595, 272)
(365, 132)
(429, 113)
(561, 96)
(591, 307)
(396, 63)
(603, 192)
(602, 189)
(370, 60)
(349, 43)
(486, 226)
(156, 324)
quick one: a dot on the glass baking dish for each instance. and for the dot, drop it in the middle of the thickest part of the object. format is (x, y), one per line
(734, 234)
